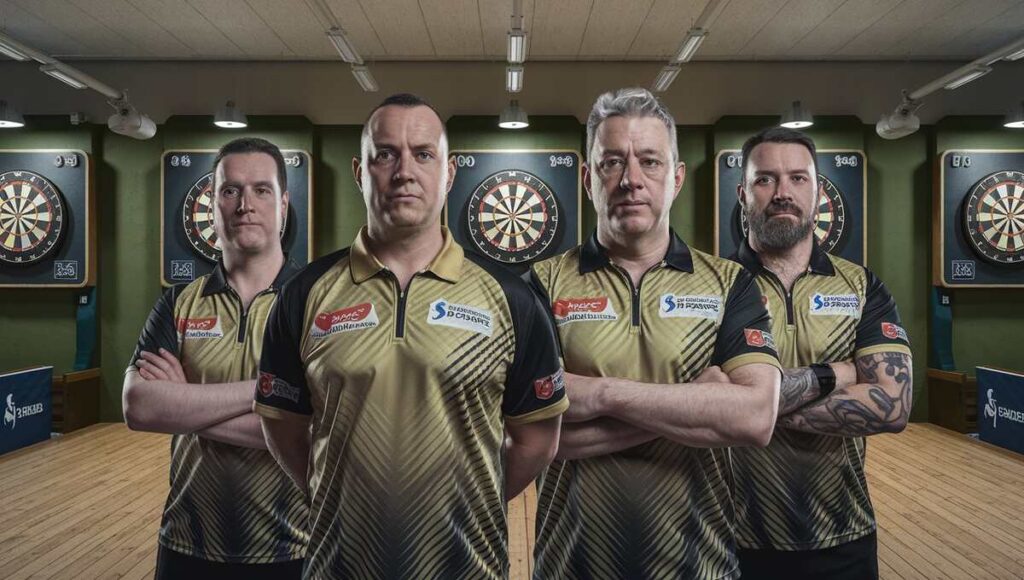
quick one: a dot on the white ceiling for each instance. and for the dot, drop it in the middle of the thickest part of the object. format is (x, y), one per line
(559, 30)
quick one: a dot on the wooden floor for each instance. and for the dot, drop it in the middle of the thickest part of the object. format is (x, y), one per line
(88, 505)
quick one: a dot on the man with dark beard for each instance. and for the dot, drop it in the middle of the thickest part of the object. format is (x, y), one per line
(803, 509)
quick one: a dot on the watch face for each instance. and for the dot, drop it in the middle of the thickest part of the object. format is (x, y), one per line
(197, 219)
(512, 216)
(32, 217)
(831, 216)
(993, 217)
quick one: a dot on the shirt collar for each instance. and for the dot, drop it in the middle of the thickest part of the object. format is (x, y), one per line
(819, 264)
(218, 280)
(593, 256)
(447, 265)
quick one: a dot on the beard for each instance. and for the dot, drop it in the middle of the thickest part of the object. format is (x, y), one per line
(778, 235)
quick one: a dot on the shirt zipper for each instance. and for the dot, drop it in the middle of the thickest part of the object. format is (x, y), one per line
(634, 301)
(244, 319)
(403, 296)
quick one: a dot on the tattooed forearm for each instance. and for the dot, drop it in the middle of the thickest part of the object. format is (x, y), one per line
(799, 387)
(878, 403)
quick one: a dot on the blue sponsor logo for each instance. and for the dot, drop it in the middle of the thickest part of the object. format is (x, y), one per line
(439, 310)
(670, 303)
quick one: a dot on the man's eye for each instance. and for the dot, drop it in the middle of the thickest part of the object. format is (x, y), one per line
(651, 162)
(229, 191)
(425, 155)
(384, 155)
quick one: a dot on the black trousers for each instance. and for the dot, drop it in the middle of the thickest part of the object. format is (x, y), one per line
(856, 560)
(171, 565)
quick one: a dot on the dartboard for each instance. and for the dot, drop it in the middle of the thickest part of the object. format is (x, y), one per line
(831, 218)
(31, 217)
(513, 216)
(994, 217)
(197, 216)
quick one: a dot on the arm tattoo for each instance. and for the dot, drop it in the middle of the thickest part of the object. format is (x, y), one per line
(799, 387)
(865, 408)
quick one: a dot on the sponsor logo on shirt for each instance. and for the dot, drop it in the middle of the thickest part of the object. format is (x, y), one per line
(568, 310)
(463, 316)
(835, 305)
(346, 319)
(547, 387)
(683, 306)
(894, 331)
(759, 338)
(189, 328)
(271, 386)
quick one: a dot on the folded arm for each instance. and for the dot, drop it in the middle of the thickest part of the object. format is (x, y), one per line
(529, 448)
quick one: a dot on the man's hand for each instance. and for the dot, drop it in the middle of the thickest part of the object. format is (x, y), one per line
(163, 366)
(846, 373)
(712, 374)
(585, 396)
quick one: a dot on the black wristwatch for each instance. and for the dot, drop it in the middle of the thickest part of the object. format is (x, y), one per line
(826, 379)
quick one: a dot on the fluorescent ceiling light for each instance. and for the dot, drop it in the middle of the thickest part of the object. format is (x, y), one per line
(10, 118)
(364, 78)
(12, 52)
(796, 117)
(229, 117)
(344, 46)
(1015, 118)
(514, 78)
(690, 44)
(665, 78)
(968, 76)
(517, 46)
(63, 76)
(513, 117)
(1015, 55)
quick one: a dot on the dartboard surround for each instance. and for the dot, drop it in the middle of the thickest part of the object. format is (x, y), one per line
(197, 216)
(994, 217)
(512, 216)
(32, 214)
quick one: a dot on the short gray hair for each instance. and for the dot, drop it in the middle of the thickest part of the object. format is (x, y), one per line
(630, 102)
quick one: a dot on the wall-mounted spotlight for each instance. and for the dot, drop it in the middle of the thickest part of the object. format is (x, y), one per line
(10, 118)
(796, 117)
(130, 122)
(229, 117)
(1015, 118)
(513, 117)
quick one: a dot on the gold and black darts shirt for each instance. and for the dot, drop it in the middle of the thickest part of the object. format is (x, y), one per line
(807, 491)
(408, 392)
(227, 503)
(661, 509)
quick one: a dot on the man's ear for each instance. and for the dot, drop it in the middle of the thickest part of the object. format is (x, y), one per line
(452, 166)
(586, 181)
(680, 178)
(357, 172)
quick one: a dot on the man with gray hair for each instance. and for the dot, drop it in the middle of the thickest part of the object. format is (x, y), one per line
(669, 358)
(409, 388)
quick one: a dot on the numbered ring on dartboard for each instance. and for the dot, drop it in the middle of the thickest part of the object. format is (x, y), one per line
(993, 217)
(32, 222)
(197, 218)
(512, 216)
(831, 216)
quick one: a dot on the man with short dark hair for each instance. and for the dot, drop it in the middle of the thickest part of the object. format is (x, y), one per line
(392, 371)
(231, 512)
(672, 360)
(803, 509)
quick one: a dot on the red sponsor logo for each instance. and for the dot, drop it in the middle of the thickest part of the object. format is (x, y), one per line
(266, 384)
(567, 306)
(754, 337)
(893, 331)
(545, 388)
(200, 324)
(357, 313)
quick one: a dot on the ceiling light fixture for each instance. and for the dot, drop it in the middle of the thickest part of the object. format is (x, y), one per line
(8, 48)
(63, 75)
(796, 117)
(517, 46)
(128, 121)
(690, 45)
(665, 78)
(364, 78)
(10, 118)
(1015, 118)
(967, 76)
(344, 46)
(229, 117)
(514, 78)
(513, 117)
(901, 122)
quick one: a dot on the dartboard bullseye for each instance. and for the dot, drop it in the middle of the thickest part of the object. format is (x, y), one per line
(513, 216)
(32, 214)
(831, 218)
(197, 218)
(993, 217)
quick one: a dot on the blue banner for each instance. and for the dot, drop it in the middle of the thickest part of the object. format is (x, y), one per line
(27, 408)
(1001, 408)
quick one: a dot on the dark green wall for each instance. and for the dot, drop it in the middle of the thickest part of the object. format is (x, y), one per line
(39, 325)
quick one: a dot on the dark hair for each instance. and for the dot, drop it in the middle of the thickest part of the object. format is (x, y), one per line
(254, 145)
(407, 100)
(778, 135)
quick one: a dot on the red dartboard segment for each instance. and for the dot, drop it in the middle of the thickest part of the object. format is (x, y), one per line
(512, 216)
(993, 217)
(32, 217)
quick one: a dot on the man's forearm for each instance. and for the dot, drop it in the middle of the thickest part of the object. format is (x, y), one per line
(700, 414)
(289, 442)
(241, 431)
(178, 408)
(600, 436)
(799, 387)
(522, 465)
(880, 404)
